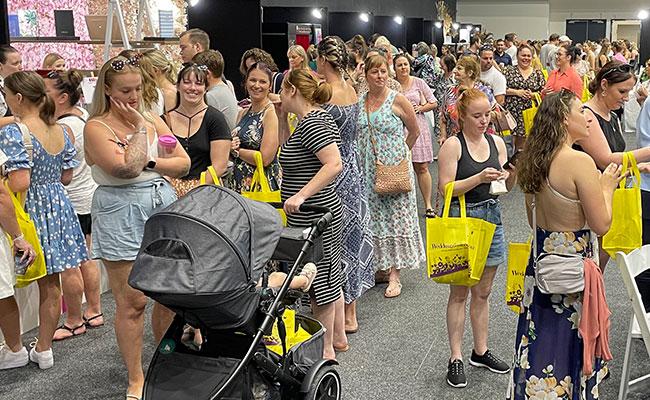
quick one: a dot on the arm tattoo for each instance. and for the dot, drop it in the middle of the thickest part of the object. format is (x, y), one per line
(135, 158)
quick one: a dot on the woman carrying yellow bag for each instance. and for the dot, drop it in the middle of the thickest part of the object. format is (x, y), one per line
(472, 160)
(529, 113)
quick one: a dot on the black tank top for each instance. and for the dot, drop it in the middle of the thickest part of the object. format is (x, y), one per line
(467, 167)
(612, 131)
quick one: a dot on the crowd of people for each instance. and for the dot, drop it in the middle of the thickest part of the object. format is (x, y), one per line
(323, 129)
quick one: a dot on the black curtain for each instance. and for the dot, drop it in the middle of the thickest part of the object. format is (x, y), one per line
(233, 26)
(347, 24)
(414, 31)
(644, 42)
(396, 33)
(4, 23)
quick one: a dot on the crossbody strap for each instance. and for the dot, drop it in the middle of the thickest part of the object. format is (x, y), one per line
(27, 140)
(534, 211)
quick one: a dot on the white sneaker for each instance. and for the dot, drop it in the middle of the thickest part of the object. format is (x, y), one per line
(9, 359)
(44, 359)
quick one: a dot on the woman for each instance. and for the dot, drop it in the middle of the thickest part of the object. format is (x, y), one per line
(201, 130)
(522, 82)
(619, 49)
(121, 147)
(13, 354)
(255, 55)
(603, 55)
(165, 75)
(152, 96)
(65, 89)
(459, 163)
(256, 131)
(298, 59)
(383, 114)
(572, 202)
(357, 250)
(362, 85)
(565, 76)
(428, 68)
(310, 162)
(54, 61)
(466, 74)
(42, 175)
(420, 96)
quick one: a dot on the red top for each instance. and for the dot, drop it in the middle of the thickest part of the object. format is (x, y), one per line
(568, 79)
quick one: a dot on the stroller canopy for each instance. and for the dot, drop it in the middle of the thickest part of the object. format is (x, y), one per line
(210, 241)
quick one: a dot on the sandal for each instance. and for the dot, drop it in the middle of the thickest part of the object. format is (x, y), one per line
(430, 213)
(132, 396)
(94, 317)
(394, 289)
(309, 271)
(382, 276)
(72, 331)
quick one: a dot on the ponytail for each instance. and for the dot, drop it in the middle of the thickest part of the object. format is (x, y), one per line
(47, 110)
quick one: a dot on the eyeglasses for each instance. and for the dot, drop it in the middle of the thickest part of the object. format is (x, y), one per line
(48, 73)
(623, 68)
(120, 63)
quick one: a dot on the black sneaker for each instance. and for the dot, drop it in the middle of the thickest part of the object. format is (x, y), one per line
(456, 374)
(489, 361)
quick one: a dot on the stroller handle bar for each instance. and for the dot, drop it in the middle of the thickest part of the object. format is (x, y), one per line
(322, 223)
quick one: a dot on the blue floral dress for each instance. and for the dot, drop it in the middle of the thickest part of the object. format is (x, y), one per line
(46, 202)
(251, 131)
(394, 217)
(357, 250)
(548, 350)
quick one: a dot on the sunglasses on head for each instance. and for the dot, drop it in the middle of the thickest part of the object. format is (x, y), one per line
(486, 47)
(260, 65)
(48, 73)
(623, 68)
(200, 67)
(119, 64)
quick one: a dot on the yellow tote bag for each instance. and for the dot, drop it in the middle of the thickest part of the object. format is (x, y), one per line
(213, 174)
(586, 94)
(37, 270)
(545, 73)
(529, 113)
(518, 254)
(260, 187)
(457, 247)
(626, 234)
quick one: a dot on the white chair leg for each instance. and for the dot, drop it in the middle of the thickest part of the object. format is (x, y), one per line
(625, 373)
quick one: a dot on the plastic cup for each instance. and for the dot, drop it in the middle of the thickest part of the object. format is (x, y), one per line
(166, 145)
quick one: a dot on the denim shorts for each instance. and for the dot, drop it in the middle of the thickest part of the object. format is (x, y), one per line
(119, 214)
(490, 211)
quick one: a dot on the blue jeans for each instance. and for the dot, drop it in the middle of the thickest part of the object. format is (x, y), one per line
(490, 211)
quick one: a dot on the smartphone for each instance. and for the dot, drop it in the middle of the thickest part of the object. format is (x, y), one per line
(20, 265)
(512, 161)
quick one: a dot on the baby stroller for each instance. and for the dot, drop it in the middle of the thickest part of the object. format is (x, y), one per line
(202, 257)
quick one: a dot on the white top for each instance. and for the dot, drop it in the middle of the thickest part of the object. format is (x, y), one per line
(105, 179)
(3, 103)
(159, 107)
(544, 54)
(222, 98)
(496, 80)
(82, 187)
(512, 52)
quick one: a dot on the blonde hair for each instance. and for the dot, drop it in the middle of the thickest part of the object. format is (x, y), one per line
(101, 103)
(382, 41)
(313, 91)
(298, 50)
(159, 61)
(471, 67)
(51, 59)
(149, 83)
(375, 61)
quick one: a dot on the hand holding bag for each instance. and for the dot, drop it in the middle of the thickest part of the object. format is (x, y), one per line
(626, 232)
(389, 179)
(213, 174)
(529, 114)
(260, 189)
(457, 248)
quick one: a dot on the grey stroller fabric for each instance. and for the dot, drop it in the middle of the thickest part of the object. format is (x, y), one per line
(205, 251)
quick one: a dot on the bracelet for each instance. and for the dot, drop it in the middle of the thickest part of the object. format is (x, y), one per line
(235, 153)
(142, 130)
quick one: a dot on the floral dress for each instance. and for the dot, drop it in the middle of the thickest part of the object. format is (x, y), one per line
(428, 68)
(357, 249)
(450, 112)
(251, 132)
(394, 217)
(417, 94)
(515, 104)
(548, 350)
(47, 203)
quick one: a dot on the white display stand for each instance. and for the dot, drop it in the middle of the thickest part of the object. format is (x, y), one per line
(27, 299)
(114, 9)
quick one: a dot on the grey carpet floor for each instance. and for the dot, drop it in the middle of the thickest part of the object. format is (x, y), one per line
(400, 351)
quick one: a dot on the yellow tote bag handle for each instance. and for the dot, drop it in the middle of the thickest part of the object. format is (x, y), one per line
(213, 174)
(259, 176)
(537, 99)
(449, 192)
(628, 158)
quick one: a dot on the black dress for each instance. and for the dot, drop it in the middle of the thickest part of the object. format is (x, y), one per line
(299, 165)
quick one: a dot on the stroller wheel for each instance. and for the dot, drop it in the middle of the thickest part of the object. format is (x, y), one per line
(326, 385)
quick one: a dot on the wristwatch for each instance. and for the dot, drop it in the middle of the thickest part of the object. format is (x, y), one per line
(151, 164)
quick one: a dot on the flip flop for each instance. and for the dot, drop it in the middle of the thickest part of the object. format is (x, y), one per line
(71, 330)
(309, 271)
(132, 396)
(87, 320)
(351, 331)
(393, 291)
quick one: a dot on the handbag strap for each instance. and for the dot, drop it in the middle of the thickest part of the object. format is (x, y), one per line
(213, 174)
(534, 212)
(371, 130)
(449, 193)
(259, 176)
(629, 164)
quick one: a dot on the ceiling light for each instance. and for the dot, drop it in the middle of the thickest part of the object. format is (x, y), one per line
(398, 19)
(364, 17)
(193, 3)
(477, 29)
(455, 25)
(643, 14)
(438, 24)
(316, 13)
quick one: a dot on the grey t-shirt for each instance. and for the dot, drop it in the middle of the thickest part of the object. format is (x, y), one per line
(223, 99)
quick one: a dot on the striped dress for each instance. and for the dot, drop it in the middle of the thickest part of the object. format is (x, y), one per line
(299, 165)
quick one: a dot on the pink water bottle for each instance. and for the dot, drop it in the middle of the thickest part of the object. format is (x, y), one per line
(166, 145)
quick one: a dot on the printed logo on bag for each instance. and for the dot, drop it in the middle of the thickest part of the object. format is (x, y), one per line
(449, 259)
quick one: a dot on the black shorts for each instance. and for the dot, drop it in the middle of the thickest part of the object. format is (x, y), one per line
(86, 223)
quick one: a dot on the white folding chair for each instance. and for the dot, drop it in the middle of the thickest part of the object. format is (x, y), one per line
(631, 265)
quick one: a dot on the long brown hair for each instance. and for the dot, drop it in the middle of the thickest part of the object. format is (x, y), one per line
(547, 136)
(32, 87)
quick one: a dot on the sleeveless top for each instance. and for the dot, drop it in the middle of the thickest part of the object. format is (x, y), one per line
(612, 131)
(101, 177)
(467, 167)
